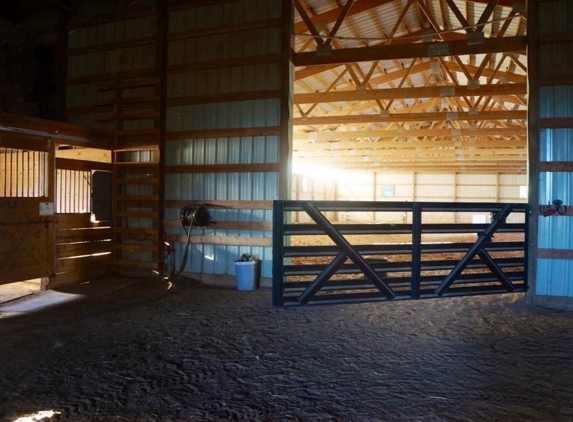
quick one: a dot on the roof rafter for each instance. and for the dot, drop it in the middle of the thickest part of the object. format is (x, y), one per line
(410, 51)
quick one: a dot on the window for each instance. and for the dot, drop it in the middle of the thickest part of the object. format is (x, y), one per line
(23, 173)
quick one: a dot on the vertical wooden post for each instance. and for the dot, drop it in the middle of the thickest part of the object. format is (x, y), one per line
(51, 197)
(61, 64)
(285, 141)
(533, 143)
(161, 63)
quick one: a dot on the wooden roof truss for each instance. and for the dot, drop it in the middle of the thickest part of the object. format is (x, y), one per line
(411, 85)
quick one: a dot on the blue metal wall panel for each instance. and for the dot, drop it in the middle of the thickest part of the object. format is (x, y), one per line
(242, 78)
(556, 16)
(554, 233)
(245, 150)
(227, 115)
(556, 101)
(559, 55)
(556, 145)
(223, 46)
(553, 277)
(555, 185)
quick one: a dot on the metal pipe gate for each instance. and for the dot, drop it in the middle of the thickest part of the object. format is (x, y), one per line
(333, 268)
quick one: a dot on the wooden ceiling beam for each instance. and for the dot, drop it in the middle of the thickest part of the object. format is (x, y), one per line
(410, 51)
(424, 66)
(437, 161)
(345, 145)
(438, 158)
(411, 117)
(489, 73)
(415, 153)
(401, 93)
(414, 37)
(494, 168)
(364, 5)
(505, 3)
(374, 134)
(331, 16)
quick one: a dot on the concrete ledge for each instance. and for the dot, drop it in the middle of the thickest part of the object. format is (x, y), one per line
(554, 302)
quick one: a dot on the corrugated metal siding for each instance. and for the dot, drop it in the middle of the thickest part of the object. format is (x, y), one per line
(552, 277)
(112, 32)
(255, 77)
(555, 185)
(559, 55)
(556, 16)
(214, 115)
(235, 44)
(556, 145)
(106, 62)
(554, 233)
(228, 115)
(556, 101)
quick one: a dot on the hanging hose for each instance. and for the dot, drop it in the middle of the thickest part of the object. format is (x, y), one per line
(192, 216)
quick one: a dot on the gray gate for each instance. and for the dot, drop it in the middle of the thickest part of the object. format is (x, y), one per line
(482, 251)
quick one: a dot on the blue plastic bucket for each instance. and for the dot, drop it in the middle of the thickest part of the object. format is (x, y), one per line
(246, 273)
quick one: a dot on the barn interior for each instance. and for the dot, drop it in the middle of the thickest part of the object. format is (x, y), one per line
(117, 117)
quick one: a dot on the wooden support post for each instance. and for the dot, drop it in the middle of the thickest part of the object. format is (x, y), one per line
(61, 65)
(51, 197)
(287, 72)
(161, 64)
(533, 128)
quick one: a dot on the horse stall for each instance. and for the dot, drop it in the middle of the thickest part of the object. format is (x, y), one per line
(55, 202)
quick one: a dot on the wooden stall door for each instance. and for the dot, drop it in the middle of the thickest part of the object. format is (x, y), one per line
(26, 210)
(24, 241)
(83, 243)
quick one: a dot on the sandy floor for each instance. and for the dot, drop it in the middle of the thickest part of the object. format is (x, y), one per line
(194, 353)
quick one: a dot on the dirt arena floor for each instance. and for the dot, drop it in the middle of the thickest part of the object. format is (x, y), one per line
(193, 353)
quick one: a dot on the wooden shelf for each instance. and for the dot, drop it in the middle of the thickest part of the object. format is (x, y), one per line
(137, 83)
(127, 100)
(127, 116)
(138, 181)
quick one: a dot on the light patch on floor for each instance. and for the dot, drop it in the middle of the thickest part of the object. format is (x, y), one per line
(51, 298)
(44, 300)
(13, 291)
(43, 416)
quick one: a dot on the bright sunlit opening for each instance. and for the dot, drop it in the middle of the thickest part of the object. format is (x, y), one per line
(38, 416)
(315, 171)
(318, 172)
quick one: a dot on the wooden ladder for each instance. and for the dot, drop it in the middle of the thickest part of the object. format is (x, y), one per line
(138, 110)
(135, 111)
